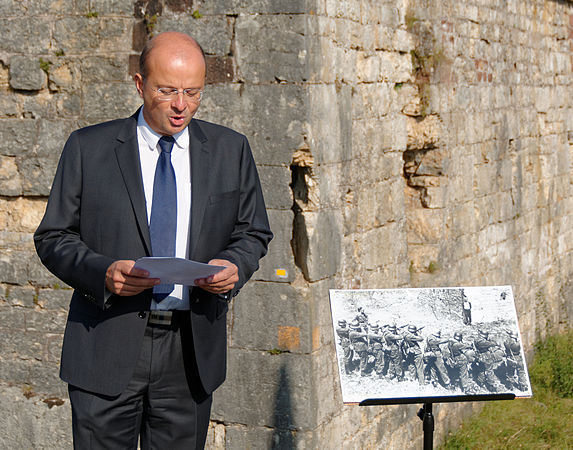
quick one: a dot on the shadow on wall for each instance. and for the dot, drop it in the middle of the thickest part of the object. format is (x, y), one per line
(283, 434)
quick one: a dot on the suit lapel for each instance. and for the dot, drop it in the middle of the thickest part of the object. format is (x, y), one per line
(200, 163)
(127, 153)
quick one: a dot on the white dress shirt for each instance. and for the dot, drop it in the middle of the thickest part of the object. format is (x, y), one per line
(149, 152)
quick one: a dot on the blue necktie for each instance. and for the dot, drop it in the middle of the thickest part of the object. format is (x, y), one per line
(163, 223)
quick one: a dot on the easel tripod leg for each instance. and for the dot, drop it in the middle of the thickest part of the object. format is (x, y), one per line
(425, 414)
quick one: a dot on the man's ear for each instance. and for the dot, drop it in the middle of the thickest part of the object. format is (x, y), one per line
(138, 83)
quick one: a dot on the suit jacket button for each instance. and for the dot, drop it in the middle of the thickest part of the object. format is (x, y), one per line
(141, 314)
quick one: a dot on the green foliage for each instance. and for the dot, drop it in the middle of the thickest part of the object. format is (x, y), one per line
(553, 365)
(542, 422)
(196, 14)
(45, 65)
(433, 267)
(92, 14)
(150, 23)
(59, 52)
(276, 351)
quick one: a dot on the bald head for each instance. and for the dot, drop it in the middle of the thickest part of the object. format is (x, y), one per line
(176, 45)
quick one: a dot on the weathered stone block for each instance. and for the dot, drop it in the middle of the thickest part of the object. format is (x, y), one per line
(54, 299)
(283, 403)
(111, 7)
(330, 129)
(250, 7)
(273, 141)
(220, 69)
(13, 267)
(102, 103)
(10, 183)
(275, 182)
(45, 321)
(21, 35)
(21, 296)
(9, 103)
(317, 243)
(18, 136)
(36, 174)
(40, 7)
(278, 264)
(88, 34)
(39, 275)
(214, 33)
(240, 436)
(276, 306)
(11, 319)
(277, 37)
(32, 423)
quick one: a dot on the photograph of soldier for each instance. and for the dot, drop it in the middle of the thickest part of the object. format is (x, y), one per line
(486, 361)
(343, 333)
(459, 362)
(466, 310)
(393, 341)
(515, 374)
(411, 343)
(359, 342)
(435, 368)
(414, 360)
(376, 342)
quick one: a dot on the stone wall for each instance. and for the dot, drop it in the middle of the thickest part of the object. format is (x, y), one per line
(400, 144)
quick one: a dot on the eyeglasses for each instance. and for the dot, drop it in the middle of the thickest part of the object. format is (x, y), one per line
(170, 94)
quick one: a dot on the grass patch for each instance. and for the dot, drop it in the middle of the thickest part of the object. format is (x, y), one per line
(542, 422)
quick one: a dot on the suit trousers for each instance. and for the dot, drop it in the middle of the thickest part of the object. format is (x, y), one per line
(163, 405)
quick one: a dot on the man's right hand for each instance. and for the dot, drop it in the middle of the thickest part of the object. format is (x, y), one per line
(122, 278)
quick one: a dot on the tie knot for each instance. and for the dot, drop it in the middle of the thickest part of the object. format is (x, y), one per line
(166, 143)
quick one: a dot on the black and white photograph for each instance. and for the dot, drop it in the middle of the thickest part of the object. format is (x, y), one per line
(428, 342)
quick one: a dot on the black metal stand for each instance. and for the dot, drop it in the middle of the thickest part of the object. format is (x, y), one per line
(425, 414)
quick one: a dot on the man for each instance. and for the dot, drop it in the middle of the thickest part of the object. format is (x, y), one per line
(434, 359)
(141, 357)
(359, 341)
(393, 338)
(343, 333)
(414, 359)
(466, 309)
(459, 361)
(516, 374)
(485, 362)
(377, 349)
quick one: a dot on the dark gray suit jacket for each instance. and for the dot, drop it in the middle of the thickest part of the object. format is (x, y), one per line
(96, 214)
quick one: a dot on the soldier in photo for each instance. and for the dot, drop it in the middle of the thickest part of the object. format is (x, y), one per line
(362, 319)
(414, 360)
(377, 349)
(359, 342)
(466, 309)
(485, 362)
(343, 333)
(393, 338)
(435, 369)
(516, 375)
(459, 361)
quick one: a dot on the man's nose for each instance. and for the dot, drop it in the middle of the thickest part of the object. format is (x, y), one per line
(179, 102)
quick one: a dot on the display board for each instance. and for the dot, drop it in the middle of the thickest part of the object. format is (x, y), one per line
(404, 345)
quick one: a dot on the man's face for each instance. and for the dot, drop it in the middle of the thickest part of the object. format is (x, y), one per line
(166, 69)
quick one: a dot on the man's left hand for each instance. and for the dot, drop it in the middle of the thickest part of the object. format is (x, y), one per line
(222, 281)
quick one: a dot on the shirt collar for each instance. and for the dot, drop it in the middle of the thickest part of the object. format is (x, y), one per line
(152, 138)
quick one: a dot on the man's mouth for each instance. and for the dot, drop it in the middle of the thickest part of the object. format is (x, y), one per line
(177, 121)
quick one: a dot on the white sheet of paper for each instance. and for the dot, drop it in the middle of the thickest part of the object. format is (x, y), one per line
(176, 270)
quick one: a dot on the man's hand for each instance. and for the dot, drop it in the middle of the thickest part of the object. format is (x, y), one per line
(122, 278)
(222, 281)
